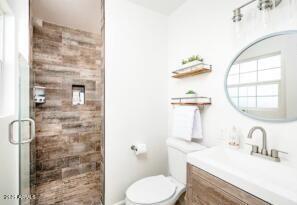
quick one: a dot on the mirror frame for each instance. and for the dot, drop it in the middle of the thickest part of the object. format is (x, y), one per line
(288, 32)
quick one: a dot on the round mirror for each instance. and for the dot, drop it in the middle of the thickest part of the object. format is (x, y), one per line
(261, 81)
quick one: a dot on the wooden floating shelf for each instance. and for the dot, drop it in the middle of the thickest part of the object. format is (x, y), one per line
(192, 72)
(181, 101)
(191, 104)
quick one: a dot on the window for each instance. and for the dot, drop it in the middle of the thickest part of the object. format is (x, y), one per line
(255, 84)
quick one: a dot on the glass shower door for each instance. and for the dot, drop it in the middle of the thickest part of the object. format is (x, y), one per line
(26, 135)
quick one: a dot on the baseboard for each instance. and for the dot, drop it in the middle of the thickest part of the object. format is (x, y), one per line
(120, 203)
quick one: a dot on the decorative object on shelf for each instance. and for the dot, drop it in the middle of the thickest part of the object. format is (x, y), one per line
(39, 94)
(192, 96)
(191, 93)
(199, 101)
(192, 70)
(191, 61)
(262, 6)
(234, 138)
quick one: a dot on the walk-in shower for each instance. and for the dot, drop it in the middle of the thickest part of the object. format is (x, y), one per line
(54, 135)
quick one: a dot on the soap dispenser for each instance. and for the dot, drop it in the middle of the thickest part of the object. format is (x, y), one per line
(234, 139)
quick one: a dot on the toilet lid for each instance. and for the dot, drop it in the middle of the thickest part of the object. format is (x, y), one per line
(151, 190)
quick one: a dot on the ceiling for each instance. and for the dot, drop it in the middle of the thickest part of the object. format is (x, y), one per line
(80, 14)
(162, 6)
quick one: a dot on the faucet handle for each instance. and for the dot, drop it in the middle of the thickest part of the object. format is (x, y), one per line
(255, 148)
(275, 153)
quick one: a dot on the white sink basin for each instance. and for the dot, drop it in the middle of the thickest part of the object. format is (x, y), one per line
(268, 180)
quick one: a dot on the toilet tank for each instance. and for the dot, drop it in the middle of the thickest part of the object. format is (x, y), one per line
(177, 157)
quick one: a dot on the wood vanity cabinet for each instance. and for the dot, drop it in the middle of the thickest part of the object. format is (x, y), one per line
(206, 189)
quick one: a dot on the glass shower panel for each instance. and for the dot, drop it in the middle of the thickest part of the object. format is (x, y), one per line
(25, 132)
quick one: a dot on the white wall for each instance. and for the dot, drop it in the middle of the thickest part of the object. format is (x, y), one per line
(205, 28)
(165, 7)
(136, 95)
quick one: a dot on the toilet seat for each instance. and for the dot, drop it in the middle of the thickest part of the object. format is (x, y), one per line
(151, 190)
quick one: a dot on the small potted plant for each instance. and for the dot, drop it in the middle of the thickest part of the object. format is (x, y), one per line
(191, 61)
(191, 95)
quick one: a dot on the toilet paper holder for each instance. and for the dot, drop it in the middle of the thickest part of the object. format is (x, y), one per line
(139, 149)
(134, 148)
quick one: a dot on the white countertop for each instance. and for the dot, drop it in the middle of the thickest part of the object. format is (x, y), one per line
(271, 181)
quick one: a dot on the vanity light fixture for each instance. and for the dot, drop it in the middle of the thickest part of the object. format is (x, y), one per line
(237, 15)
(268, 4)
(262, 5)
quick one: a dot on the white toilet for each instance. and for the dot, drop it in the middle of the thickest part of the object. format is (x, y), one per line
(163, 190)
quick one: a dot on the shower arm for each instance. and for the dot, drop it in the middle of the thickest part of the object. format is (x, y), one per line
(246, 4)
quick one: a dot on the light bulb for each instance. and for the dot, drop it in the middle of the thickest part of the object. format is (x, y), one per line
(265, 18)
(292, 11)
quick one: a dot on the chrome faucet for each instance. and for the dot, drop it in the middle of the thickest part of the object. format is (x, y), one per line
(264, 138)
(274, 156)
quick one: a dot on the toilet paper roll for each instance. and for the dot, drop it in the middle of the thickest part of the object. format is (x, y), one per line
(140, 149)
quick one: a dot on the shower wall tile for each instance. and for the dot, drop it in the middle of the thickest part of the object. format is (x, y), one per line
(69, 139)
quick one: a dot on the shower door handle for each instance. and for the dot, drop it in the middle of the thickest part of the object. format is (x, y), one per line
(31, 134)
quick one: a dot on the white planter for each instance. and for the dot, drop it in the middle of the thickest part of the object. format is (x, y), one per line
(193, 63)
(194, 100)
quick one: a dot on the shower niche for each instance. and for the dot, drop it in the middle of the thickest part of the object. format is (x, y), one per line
(78, 94)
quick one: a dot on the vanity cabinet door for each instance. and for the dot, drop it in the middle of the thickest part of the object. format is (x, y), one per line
(206, 189)
(205, 193)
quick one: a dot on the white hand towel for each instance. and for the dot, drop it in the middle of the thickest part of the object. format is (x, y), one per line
(197, 127)
(183, 121)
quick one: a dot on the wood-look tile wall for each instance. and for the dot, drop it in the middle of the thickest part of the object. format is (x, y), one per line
(69, 139)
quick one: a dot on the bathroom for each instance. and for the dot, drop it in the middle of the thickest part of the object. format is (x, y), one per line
(120, 92)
